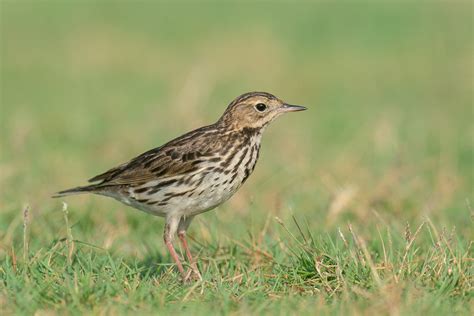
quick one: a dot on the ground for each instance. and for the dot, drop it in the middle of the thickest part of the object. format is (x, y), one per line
(361, 205)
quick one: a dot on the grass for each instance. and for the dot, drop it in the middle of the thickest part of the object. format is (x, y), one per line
(423, 271)
(361, 205)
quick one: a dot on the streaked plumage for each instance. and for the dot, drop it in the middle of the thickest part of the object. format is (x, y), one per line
(195, 172)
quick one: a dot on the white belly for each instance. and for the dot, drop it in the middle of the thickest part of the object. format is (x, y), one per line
(204, 197)
(204, 191)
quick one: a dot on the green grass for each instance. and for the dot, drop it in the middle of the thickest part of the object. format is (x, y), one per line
(361, 205)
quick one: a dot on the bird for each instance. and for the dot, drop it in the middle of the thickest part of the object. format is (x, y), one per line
(193, 173)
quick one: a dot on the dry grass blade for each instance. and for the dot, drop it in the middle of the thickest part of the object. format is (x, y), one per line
(407, 249)
(26, 212)
(69, 237)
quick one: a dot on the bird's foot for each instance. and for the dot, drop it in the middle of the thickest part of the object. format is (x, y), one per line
(192, 275)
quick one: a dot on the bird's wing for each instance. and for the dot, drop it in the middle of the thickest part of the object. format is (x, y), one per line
(182, 155)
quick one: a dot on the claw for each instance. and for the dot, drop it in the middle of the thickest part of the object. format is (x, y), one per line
(192, 276)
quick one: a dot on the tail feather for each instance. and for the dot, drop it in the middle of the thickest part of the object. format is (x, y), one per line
(77, 190)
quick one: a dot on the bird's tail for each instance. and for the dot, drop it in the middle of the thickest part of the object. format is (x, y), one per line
(77, 190)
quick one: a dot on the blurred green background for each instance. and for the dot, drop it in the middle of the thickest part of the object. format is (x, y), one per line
(388, 135)
(86, 86)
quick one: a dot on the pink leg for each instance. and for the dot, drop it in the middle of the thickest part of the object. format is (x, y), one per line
(169, 245)
(175, 257)
(182, 237)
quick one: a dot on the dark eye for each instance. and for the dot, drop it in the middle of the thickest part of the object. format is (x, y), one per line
(261, 107)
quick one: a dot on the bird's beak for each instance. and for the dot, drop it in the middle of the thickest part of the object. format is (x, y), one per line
(292, 108)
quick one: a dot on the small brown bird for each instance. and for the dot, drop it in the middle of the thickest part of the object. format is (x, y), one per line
(195, 172)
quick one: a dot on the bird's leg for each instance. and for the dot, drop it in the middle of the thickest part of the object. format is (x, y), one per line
(182, 227)
(182, 237)
(170, 229)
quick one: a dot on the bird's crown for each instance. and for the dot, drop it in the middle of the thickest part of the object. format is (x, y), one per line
(255, 110)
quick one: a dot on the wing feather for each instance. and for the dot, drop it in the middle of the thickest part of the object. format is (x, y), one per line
(179, 156)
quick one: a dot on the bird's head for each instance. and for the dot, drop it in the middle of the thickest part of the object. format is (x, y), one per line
(255, 110)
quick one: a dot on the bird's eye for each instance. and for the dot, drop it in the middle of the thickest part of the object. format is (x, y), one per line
(261, 107)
